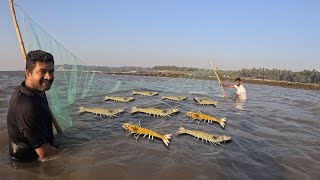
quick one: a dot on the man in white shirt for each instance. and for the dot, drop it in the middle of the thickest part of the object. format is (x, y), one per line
(241, 91)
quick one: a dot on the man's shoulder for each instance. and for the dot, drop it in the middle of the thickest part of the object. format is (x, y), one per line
(242, 87)
(21, 105)
(22, 101)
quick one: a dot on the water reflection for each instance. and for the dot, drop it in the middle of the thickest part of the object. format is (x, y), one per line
(238, 104)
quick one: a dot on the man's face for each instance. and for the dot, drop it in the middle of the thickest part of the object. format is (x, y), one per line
(41, 77)
(238, 83)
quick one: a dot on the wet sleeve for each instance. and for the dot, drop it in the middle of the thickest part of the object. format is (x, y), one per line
(29, 124)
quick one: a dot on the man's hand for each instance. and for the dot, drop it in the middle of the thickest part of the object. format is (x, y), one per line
(46, 151)
(235, 96)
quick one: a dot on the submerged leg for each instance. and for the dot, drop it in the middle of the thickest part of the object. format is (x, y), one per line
(212, 144)
(109, 118)
(136, 136)
(139, 124)
(128, 133)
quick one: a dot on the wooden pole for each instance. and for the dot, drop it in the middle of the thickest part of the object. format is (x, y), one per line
(24, 55)
(222, 89)
(16, 26)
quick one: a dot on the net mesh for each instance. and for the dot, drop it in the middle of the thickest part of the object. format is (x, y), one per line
(74, 79)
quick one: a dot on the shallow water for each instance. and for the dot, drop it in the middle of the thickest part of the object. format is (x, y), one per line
(275, 135)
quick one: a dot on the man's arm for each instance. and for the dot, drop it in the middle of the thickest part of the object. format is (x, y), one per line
(46, 151)
(235, 96)
(228, 86)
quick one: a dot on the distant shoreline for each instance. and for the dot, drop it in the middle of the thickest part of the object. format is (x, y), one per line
(179, 74)
(285, 84)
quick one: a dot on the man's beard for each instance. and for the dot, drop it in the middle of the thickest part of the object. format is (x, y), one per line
(45, 84)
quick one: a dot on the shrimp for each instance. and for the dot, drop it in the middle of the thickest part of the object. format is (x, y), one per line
(137, 130)
(145, 93)
(199, 116)
(205, 101)
(119, 99)
(102, 111)
(212, 139)
(155, 111)
(174, 98)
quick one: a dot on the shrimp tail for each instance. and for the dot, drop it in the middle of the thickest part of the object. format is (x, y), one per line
(133, 110)
(181, 130)
(166, 138)
(222, 122)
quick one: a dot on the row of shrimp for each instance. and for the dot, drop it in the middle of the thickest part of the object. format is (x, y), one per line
(200, 101)
(137, 130)
(142, 93)
(111, 113)
(157, 112)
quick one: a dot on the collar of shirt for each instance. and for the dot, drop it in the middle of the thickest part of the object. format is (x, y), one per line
(28, 91)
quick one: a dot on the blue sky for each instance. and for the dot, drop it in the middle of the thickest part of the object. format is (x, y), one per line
(282, 34)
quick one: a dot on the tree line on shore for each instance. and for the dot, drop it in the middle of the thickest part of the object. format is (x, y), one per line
(306, 76)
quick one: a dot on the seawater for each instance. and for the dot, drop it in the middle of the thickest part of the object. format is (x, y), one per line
(275, 134)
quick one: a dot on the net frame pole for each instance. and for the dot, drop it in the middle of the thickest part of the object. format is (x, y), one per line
(16, 27)
(23, 52)
(222, 89)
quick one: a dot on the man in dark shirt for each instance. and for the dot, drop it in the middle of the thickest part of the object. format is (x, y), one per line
(29, 119)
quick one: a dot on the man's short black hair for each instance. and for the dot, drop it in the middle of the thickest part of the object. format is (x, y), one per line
(238, 79)
(37, 56)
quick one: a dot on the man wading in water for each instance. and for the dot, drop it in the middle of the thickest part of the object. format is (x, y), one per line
(241, 92)
(29, 119)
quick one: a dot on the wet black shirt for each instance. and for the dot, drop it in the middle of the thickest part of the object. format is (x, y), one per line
(29, 123)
